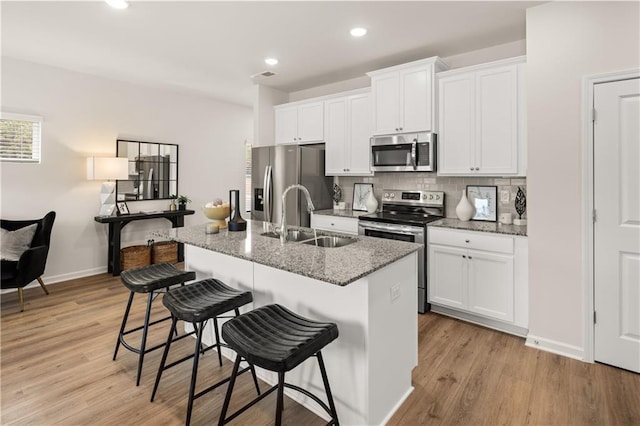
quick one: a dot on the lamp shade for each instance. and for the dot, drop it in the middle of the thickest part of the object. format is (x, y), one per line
(107, 168)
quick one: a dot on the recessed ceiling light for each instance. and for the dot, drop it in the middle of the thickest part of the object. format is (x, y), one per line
(118, 4)
(358, 32)
(271, 61)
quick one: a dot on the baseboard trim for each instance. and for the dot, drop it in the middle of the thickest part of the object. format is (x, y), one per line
(555, 347)
(54, 279)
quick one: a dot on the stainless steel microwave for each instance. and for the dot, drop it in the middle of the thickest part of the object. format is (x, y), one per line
(409, 152)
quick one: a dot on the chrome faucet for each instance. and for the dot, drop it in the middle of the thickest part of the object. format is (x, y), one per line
(283, 224)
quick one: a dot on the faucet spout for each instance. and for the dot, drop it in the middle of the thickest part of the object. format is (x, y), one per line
(283, 224)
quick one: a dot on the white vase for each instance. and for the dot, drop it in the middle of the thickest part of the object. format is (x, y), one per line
(464, 209)
(371, 203)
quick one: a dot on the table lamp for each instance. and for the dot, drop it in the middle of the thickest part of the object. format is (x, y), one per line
(107, 169)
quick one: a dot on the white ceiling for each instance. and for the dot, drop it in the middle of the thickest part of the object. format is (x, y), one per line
(214, 47)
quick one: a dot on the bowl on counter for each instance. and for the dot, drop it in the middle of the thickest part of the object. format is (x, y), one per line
(217, 214)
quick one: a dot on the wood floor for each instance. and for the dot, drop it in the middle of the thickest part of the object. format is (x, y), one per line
(56, 369)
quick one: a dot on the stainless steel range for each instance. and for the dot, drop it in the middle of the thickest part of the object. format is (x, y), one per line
(404, 217)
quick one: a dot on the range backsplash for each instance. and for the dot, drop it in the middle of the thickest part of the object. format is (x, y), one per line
(429, 181)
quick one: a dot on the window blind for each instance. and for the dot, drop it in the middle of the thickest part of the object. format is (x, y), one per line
(20, 138)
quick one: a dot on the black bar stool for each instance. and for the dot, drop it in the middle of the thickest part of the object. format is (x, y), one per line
(197, 303)
(276, 339)
(147, 279)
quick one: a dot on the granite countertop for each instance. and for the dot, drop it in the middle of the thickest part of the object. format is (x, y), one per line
(339, 265)
(340, 213)
(481, 226)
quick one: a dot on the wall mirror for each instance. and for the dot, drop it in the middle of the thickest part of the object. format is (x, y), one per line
(153, 170)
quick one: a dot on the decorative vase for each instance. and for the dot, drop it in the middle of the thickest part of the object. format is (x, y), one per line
(172, 206)
(371, 202)
(236, 222)
(521, 207)
(464, 209)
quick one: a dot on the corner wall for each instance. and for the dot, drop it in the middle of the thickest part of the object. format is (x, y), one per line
(566, 41)
(83, 116)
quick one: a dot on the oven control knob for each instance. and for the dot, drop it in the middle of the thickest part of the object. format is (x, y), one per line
(392, 195)
(431, 197)
(424, 196)
(437, 197)
(386, 195)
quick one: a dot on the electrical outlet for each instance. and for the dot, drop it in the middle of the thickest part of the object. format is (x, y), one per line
(395, 292)
(504, 196)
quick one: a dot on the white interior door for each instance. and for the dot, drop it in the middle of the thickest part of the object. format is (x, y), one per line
(617, 225)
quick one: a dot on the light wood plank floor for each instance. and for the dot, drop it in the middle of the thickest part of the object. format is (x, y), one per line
(56, 368)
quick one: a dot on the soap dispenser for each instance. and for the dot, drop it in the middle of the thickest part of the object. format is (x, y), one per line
(236, 222)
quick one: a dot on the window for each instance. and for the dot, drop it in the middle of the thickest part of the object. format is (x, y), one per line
(247, 176)
(20, 137)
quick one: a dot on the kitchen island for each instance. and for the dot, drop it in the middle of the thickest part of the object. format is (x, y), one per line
(368, 288)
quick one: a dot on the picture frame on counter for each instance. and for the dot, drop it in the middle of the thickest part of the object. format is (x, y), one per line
(360, 193)
(484, 200)
(122, 208)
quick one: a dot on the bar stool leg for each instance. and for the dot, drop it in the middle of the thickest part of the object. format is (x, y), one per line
(124, 323)
(327, 389)
(174, 322)
(215, 328)
(194, 372)
(280, 400)
(227, 398)
(145, 329)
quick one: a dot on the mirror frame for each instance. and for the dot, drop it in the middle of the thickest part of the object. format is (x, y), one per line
(121, 183)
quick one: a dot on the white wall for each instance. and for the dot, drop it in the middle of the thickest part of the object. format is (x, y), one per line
(83, 116)
(264, 99)
(565, 42)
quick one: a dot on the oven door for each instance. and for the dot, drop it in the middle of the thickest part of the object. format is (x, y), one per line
(412, 234)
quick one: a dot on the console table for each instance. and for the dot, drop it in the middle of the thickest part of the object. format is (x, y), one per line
(116, 223)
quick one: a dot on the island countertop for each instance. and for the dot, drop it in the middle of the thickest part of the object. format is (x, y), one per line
(338, 265)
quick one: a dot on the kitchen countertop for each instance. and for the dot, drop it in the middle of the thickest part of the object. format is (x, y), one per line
(495, 227)
(339, 265)
(341, 213)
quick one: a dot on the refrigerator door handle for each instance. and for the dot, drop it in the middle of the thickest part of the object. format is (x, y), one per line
(267, 193)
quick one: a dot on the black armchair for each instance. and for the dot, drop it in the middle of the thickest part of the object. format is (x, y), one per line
(31, 264)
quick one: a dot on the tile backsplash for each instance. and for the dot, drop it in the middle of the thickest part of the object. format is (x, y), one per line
(429, 181)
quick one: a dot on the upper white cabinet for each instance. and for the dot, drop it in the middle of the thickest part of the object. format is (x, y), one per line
(481, 112)
(347, 133)
(302, 122)
(404, 97)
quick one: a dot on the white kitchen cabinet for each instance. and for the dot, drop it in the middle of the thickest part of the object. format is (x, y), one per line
(404, 97)
(300, 122)
(480, 277)
(481, 113)
(347, 133)
(348, 225)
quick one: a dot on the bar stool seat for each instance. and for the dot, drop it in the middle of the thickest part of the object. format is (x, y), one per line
(197, 303)
(276, 339)
(150, 279)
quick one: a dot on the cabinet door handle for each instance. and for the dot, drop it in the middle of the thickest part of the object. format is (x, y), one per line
(470, 257)
(464, 257)
(471, 168)
(466, 241)
(477, 168)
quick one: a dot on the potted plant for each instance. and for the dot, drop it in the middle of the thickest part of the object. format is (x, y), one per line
(182, 202)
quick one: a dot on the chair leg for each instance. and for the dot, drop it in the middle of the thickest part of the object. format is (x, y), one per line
(42, 285)
(143, 342)
(21, 297)
(217, 333)
(227, 398)
(327, 389)
(255, 378)
(163, 362)
(194, 372)
(280, 400)
(124, 323)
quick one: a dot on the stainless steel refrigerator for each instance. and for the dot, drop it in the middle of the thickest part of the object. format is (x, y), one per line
(274, 168)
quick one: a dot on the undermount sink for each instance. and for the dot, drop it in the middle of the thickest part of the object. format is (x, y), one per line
(330, 241)
(294, 235)
(308, 237)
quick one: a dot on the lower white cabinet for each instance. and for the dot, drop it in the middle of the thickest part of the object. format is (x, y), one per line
(480, 276)
(348, 225)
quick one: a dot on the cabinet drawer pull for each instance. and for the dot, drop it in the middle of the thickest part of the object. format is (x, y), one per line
(464, 257)
(470, 257)
(466, 241)
(471, 168)
(477, 168)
